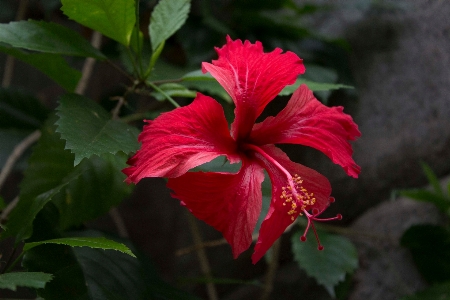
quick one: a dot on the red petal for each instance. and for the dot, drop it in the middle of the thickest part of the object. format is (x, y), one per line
(278, 219)
(252, 78)
(182, 139)
(231, 203)
(306, 121)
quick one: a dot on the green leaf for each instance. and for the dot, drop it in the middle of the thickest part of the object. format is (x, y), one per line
(136, 40)
(91, 242)
(442, 203)
(173, 90)
(330, 265)
(88, 129)
(197, 75)
(430, 249)
(206, 83)
(35, 280)
(432, 179)
(94, 192)
(435, 292)
(313, 86)
(167, 17)
(89, 273)
(50, 168)
(20, 110)
(47, 37)
(52, 65)
(113, 18)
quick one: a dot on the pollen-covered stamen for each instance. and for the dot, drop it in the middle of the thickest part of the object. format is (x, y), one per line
(296, 196)
(314, 217)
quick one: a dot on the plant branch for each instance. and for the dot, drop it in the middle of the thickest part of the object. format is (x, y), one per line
(201, 253)
(271, 270)
(156, 88)
(116, 110)
(17, 152)
(119, 223)
(88, 66)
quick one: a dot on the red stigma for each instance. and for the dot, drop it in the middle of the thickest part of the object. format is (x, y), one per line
(313, 216)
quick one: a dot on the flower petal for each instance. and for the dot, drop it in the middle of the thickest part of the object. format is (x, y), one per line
(306, 121)
(231, 203)
(252, 78)
(182, 139)
(278, 218)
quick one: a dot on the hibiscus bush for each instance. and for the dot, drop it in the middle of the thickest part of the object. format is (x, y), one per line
(198, 126)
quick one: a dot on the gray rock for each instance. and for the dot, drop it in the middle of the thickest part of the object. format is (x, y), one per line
(400, 60)
(386, 269)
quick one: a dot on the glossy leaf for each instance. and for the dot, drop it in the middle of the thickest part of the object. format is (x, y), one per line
(113, 18)
(91, 242)
(313, 86)
(205, 83)
(89, 273)
(430, 249)
(100, 187)
(88, 129)
(46, 37)
(173, 90)
(52, 65)
(330, 265)
(435, 292)
(35, 280)
(50, 168)
(167, 17)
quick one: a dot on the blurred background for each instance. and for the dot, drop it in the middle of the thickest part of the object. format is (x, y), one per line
(397, 56)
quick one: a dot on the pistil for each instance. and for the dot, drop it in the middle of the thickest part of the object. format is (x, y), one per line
(295, 195)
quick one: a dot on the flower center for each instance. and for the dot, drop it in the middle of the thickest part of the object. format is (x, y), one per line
(298, 197)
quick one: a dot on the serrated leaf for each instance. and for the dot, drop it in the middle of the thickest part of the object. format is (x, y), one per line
(89, 273)
(91, 242)
(442, 203)
(330, 265)
(430, 249)
(35, 280)
(432, 179)
(313, 86)
(167, 17)
(47, 37)
(50, 168)
(113, 18)
(20, 110)
(52, 65)
(435, 292)
(94, 192)
(88, 129)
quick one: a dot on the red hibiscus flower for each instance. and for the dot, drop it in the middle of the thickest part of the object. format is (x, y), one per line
(189, 136)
